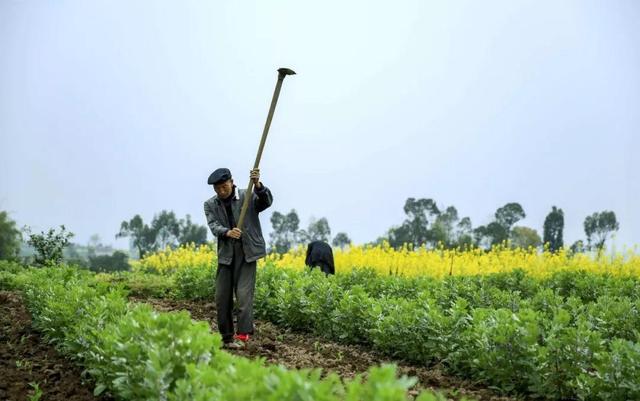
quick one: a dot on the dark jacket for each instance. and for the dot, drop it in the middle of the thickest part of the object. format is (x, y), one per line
(320, 254)
(253, 243)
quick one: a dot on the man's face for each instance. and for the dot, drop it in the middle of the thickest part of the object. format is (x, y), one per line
(224, 189)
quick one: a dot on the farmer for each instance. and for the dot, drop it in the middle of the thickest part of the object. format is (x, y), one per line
(319, 254)
(238, 251)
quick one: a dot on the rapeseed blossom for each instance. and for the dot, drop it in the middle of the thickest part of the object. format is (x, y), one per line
(171, 260)
(407, 261)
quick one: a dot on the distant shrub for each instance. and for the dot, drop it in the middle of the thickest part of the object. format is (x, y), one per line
(49, 246)
(118, 261)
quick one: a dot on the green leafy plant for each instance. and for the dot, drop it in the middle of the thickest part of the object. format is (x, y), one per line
(49, 246)
(36, 391)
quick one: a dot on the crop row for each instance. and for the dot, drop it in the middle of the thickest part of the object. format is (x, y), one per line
(137, 353)
(554, 338)
(572, 335)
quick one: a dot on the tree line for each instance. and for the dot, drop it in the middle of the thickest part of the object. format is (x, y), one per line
(425, 224)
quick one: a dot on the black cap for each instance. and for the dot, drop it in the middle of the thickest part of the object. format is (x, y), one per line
(219, 176)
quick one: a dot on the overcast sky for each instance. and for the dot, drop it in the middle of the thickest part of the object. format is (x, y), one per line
(114, 108)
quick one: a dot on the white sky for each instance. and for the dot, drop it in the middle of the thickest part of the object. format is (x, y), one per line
(114, 108)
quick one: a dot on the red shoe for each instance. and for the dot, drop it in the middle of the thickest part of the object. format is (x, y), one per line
(242, 337)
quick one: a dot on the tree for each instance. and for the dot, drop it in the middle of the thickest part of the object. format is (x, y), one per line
(400, 235)
(525, 237)
(10, 237)
(165, 231)
(508, 215)
(464, 233)
(192, 233)
(493, 233)
(426, 224)
(598, 227)
(49, 246)
(443, 228)
(416, 227)
(144, 238)
(577, 247)
(499, 230)
(553, 227)
(285, 231)
(420, 212)
(166, 227)
(341, 240)
(318, 230)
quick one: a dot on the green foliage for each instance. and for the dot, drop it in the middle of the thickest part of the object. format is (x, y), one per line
(118, 261)
(144, 238)
(341, 240)
(292, 303)
(8, 272)
(416, 229)
(10, 266)
(10, 238)
(193, 284)
(502, 342)
(49, 246)
(615, 317)
(567, 353)
(508, 215)
(413, 329)
(232, 378)
(143, 285)
(552, 229)
(525, 237)
(616, 376)
(134, 352)
(599, 226)
(165, 230)
(36, 391)
(515, 333)
(500, 230)
(149, 351)
(191, 233)
(285, 233)
(426, 224)
(353, 316)
(577, 247)
(571, 335)
(318, 230)
(491, 234)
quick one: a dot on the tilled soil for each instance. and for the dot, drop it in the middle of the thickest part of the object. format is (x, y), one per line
(297, 351)
(26, 360)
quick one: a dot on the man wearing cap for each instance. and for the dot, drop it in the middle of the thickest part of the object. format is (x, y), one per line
(238, 251)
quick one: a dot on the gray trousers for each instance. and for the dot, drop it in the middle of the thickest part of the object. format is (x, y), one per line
(240, 278)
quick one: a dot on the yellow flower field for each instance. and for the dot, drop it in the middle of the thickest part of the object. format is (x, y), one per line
(442, 262)
(172, 260)
(409, 262)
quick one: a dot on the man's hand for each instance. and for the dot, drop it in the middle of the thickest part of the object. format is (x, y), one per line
(234, 233)
(254, 175)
